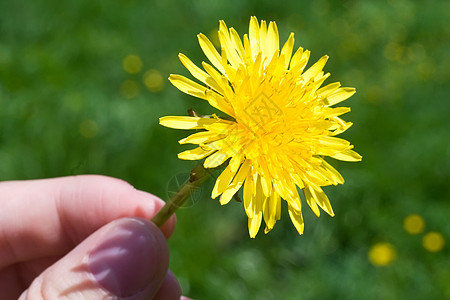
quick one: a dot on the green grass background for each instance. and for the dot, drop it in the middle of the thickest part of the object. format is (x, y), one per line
(62, 113)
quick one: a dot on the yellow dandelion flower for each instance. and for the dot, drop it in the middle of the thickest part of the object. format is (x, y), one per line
(382, 254)
(414, 224)
(132, 64)
(281, 123)
(433, 241)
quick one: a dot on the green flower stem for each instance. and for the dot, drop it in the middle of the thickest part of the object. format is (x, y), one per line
(197, 176)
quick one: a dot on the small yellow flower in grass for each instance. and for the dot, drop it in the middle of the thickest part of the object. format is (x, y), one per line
(382, 254)
(414, 224)
(433, 241)
(132, 64)
(279, 127)
(153, 80)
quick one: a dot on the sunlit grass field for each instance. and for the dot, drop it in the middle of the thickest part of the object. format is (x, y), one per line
(83, 83)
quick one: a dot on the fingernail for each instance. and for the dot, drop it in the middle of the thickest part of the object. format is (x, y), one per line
(130, 258)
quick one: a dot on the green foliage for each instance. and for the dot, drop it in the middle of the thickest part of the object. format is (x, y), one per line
(65, 110)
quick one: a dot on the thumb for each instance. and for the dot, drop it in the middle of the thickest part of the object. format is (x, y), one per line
(127, 258)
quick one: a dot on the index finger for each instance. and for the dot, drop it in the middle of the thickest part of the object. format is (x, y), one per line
(48, 217)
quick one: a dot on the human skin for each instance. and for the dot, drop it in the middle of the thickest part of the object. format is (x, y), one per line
(82, 237)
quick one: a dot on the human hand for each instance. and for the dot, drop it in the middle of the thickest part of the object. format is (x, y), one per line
(82, 237)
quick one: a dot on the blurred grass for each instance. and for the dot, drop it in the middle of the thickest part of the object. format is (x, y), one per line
(65, 110)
